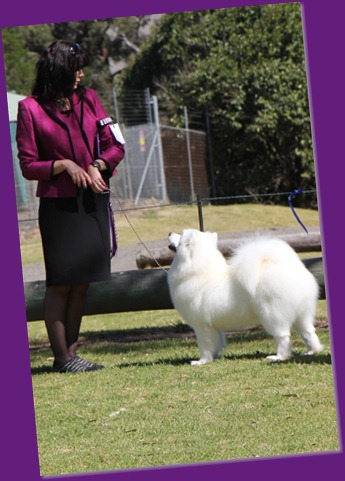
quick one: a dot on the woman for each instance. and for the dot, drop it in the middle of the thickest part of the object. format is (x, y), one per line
(65, 141)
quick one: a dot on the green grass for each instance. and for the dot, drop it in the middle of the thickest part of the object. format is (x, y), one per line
(149, 407)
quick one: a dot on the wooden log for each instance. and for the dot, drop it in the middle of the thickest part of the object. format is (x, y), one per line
(315, 266)
(299, 242)
(137, 290)
(126, 291)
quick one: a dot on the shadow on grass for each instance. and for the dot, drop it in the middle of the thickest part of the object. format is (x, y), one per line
(137, 340)
(42, 370)
(173, 331)
(318, 359)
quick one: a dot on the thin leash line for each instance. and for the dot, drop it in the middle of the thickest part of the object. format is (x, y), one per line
(135, 231)
(291, 196)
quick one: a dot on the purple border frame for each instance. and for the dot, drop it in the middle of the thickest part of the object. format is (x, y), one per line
(324, 39)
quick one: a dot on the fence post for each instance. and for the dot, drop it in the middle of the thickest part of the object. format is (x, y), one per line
(189, 156)
(210, 155)
(116, 110)
(200, 216)
(160, 148)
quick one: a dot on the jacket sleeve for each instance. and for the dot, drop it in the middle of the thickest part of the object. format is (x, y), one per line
(33, 168)
(112, 151)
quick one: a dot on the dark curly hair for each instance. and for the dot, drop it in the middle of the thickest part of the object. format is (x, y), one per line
(56, 68)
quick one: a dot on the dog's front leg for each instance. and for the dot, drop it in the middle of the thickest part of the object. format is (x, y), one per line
(210, 342)
(283, 348)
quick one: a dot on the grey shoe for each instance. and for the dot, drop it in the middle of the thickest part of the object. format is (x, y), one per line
(77, 364)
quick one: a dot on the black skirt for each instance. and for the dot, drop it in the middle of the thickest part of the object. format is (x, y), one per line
(76, 238)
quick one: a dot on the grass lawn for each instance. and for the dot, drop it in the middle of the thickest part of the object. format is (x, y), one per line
(149, 407)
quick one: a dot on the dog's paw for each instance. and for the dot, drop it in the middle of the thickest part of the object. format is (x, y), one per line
(312, 352)
(276, 358)
(200, 362)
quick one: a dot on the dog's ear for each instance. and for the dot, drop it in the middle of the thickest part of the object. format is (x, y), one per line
(213, 237)
(187, 242)
(187, 236)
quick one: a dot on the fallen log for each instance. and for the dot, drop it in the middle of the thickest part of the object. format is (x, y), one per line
(299, 242)
(126, 291)
(135, 290)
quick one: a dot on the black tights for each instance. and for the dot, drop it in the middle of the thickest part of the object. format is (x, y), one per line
(63, 313)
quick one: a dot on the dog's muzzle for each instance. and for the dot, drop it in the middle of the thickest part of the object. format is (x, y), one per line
(174, 240)
(172, 248)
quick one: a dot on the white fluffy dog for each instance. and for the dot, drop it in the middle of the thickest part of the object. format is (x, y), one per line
(264, 282)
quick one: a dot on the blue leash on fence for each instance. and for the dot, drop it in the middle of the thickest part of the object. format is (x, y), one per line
(293, 193)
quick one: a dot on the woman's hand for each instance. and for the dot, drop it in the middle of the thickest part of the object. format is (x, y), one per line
(97, 184)
(78, 175)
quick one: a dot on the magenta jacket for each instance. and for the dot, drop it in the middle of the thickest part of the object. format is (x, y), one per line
(44, 136)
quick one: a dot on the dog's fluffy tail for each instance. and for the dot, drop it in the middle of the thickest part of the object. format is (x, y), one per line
(257, 257)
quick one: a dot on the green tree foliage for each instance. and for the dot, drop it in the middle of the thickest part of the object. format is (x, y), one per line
(19, 61)
(245, 69)
(112, 44)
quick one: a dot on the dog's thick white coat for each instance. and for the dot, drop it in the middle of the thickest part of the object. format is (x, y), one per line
(264, 282)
